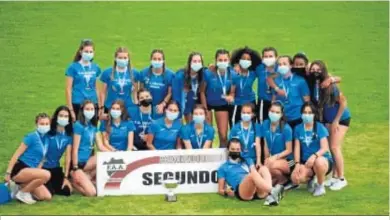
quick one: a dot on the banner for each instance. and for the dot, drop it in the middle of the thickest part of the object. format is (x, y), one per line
(143, 172)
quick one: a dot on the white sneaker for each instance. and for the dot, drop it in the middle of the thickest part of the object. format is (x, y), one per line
(339, 184)
(311, 185)
(25, 197)
(319, 190)
(330, 181)
(14, 188)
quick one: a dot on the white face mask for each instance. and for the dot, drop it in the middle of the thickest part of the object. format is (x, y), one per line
(222, 65)
(196, 66)
(269, 61)
(245, 64)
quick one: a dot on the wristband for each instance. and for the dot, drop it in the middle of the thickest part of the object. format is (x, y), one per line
(75, 168)
(276, 88)
(297, 162)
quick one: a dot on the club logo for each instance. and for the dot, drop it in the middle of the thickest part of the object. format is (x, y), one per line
(114, 165)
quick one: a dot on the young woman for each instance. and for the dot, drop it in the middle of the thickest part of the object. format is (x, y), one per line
(25, 165)
(142, 118)
(158, 80)
(118, 130)
(278, 144)
(295, 89)
(60, 142)
(247, 60)
(83, 161)
(119, 81)
(337, 117)
(198, 134)
(245, 131)
(311, 151)
(164, 132)
(264, 70)
(185, 85)
(217, 93)
(239, 177)
(81, 79)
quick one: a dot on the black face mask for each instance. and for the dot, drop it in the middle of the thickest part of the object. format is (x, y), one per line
(299, 71)
(234, 155)
(146, 102)
(317, 76)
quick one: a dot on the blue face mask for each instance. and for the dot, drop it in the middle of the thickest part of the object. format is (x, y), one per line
(115, 113)
(86, 56)
(62, 121)
(43, 129)
(199, 119)
(283, 70)
(246, 117)
(222, 65)
(157, 64)
(171, 115)
(245, 64)
(307, 118)
(89, 114)
(122, 62)
(274, 117)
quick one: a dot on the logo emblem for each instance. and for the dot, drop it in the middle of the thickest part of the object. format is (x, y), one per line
(114, 165)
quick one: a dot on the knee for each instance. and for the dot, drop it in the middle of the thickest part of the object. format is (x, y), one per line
(47, 197)
(320, 163)
(45, 175)
(90, 192)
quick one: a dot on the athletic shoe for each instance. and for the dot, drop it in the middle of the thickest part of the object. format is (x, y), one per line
(330, 181)
(14, 188)
(311, 185)
(269, 200)
(339, 184)
(276, 196)
(289, 185)
(319, 190)
(25, 197)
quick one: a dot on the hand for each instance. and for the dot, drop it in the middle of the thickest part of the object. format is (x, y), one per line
(66, 183)
(229, 192)
(326, 83)
(229, 99)
(310, 162)
(75, 175)
(7, 178)
(73, 115)
(281, 92)
(258, 165)
(237, 68)
(212, 67)
(143, 137)
(335, 126)
(103, 117)
(160, 108)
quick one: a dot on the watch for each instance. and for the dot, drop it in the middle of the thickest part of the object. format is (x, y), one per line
(75, 168)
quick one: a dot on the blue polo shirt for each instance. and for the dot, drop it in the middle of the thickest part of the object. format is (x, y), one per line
(186, 99)
(188, 133)
(244, 88)
(141, 122)
(84, 81)
(164, 137)
(330, 112)
(214, 86)
(248, 148)
(263, 91)
(87, 139)
(57, 146)
(296, 88)
(276, 141)
(119, 134)
(234, 172)
(37, 147)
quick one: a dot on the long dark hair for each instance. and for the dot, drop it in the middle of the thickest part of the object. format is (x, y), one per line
(53, 124)
(81, 117)
(327, 95)
(129, 70)
(283, 119)
(124, 116)
(187, 71)
(255, 57)
(84, 43)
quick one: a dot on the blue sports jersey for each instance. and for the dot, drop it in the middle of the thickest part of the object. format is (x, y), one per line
(141, 122)
(234, 172)
(296, 88)
(186, 99)
(244, 88)
(276, 141)
(330, 112)
(57, 146)
(119, 86)
(84, 82)
(119, 134)
(164, 137)
(263, 90)
(87, 139)
(188, 133)
(247, 138)
(310, 143)
(37, 146)
(214, 88)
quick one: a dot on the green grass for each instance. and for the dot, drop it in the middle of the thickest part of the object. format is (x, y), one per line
(38, 40)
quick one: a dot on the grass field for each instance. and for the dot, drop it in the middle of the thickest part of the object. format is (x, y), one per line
(38, 40)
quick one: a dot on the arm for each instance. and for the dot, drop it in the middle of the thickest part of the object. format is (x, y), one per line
(187, 144)
(221, 187)
(207, 144)
(266, 150)
(286, 152)
(324, 147)
(149, 141)
(103, 93)
(68, 155)
(297, 151)
(99, 143)
(68, 95)
(75, 149)
(21, 149)
(178, 143)
(130, 140)
(258, 151)
(230, 97)
(343, 104)
(202, 91)
(332, 79)
(106, 142)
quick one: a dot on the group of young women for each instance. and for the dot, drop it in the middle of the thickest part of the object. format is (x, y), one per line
(283, 136)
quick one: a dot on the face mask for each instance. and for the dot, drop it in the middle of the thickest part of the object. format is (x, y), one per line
(86, 56)
(171, 115)
(115, 113)
(146, 102)
(234, 155)
(222, 65)
(246, 117)
(283, 70)
(269, 61)
(318, 75)
(63, 121)
(157, 64)
(307, 118)
(43, 129)
(274, 117)
(199, 119)
(122, 62)
(300, 71)
(88, 114)
(245, 64)
(196, 66)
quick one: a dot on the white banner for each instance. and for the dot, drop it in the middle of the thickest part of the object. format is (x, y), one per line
(143, 172)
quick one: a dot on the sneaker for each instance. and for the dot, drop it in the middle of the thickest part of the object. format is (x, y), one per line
(311, 185)
(319, 190)
(330, 181)
(339, 184)
(14, 188)
(25, 197)
(276, 195)
(289, 185)
(269, 200)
